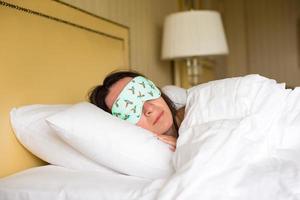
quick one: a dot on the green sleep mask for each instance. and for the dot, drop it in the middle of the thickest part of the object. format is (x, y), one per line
(129, 104)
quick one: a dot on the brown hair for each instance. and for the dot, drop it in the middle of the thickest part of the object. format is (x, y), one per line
(98, 94)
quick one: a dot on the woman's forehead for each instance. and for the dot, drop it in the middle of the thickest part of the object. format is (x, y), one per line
(115, 90)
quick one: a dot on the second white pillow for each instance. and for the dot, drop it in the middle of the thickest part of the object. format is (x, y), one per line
(177, 94)
(112, 142)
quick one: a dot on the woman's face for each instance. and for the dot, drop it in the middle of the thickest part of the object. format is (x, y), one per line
(156, 116)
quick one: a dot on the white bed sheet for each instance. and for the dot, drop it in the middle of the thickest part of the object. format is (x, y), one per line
(52, 182)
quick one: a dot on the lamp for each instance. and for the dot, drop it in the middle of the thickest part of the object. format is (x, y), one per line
(193, 34)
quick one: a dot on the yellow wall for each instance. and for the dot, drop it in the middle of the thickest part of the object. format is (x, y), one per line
(145, 19)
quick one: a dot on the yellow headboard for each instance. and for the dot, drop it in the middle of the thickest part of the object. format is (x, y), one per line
(50, 53)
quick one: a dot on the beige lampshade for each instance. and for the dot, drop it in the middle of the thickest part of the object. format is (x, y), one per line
(193, 33)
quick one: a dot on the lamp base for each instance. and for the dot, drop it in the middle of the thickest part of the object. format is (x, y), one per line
(194, 70)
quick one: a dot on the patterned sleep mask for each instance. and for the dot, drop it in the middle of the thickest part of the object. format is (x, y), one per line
(129, 104)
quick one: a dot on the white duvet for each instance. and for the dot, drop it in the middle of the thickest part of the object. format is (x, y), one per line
(240, 139)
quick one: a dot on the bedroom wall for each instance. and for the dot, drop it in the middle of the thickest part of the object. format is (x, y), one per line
(145, 19)
(263, 37)
(273, 40)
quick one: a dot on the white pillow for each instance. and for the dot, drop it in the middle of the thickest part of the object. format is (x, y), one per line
(58, 183)
(113, 142)
(177, 94)
(33, 132)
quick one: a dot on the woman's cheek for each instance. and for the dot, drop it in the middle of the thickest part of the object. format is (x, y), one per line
(142, 123)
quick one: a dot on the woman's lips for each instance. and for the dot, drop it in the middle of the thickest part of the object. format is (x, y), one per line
(158, 117)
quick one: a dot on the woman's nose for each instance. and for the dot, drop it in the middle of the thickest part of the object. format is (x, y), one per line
(148, 108)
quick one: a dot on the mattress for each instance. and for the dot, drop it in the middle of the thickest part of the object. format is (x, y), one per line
(53, 182)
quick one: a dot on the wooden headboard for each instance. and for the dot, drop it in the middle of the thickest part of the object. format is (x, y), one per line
(50, 53)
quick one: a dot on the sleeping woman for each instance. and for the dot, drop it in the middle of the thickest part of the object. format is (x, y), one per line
(134, 98)
(239, 134)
